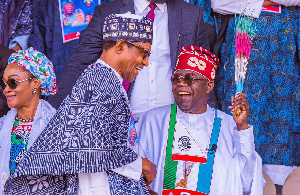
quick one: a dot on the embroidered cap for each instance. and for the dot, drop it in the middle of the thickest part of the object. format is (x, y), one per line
(39, 65)
(129, 27)
(199, 60)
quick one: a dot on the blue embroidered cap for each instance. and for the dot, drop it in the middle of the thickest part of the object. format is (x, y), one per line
(129, 27)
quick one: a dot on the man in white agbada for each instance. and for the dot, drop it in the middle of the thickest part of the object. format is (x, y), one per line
(197, 149)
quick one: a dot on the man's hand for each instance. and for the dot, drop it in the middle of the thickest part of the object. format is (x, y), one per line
(268, 3)
(240, 101)
(148, 171)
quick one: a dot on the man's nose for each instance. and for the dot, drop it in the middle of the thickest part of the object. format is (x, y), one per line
(145, 61)
(182, 82)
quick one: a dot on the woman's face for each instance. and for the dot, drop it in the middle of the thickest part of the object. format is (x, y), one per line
(22, 95)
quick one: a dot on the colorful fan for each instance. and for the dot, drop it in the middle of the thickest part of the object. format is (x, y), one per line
(245, 31)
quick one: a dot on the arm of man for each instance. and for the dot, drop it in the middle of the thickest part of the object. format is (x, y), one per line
(249, 161)
(252, 9)
(87, 52)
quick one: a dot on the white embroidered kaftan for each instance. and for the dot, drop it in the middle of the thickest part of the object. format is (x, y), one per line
(237, 167)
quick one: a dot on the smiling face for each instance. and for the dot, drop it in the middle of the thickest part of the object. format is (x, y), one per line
(80, 17)
(22, 95)
(134, 59)
(192, 98)
(68, 8)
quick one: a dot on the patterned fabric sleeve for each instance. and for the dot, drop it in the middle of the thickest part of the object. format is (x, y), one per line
(120, 185)
(42, 184)
(87, 134)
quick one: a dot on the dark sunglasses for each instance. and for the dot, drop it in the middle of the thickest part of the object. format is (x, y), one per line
(146, 52)
(188, 79)
(12, 83)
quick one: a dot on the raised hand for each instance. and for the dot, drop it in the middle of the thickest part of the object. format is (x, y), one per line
(240, 102)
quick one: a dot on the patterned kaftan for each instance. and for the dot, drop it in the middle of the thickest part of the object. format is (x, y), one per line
(87, 134)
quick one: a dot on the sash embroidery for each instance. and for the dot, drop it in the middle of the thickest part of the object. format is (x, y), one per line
(205, 169)
(185, 147)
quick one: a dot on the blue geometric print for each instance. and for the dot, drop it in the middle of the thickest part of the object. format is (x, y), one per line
(272, 84)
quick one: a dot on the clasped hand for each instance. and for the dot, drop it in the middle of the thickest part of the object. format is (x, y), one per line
(240, 101)
(149, 173)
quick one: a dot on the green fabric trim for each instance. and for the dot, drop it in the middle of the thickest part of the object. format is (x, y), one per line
(170, 166)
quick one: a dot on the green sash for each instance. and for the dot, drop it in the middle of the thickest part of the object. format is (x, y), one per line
(205, 170)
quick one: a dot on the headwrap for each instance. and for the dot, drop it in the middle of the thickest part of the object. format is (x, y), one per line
(39, 65)
(129, 27)
(199, 60)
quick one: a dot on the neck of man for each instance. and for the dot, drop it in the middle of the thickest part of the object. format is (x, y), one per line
(201, 110)
(111, 60)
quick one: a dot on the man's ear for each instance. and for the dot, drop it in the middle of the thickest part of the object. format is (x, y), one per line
(210, 86)
(121, 46)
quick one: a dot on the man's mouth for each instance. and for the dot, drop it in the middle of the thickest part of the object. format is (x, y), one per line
(138, 68)
(183, 93)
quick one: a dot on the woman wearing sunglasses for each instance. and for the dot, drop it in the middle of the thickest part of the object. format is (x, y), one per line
(28, 76)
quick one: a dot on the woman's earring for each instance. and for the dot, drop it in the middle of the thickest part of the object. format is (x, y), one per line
(34, 91)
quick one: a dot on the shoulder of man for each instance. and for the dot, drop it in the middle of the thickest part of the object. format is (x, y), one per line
(156, 114)
(159, 111)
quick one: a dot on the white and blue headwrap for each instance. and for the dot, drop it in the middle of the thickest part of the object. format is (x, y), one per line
(39, 65)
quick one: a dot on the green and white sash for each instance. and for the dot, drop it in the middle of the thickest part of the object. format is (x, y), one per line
(188, 170)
